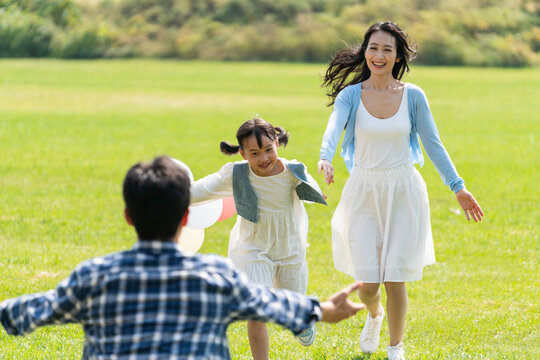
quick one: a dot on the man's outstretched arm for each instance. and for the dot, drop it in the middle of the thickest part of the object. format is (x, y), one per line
(289, 309)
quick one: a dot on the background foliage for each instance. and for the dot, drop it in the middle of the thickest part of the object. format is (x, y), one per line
(448, 32)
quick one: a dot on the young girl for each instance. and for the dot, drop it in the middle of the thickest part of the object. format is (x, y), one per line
(381, 231)
(269, 238)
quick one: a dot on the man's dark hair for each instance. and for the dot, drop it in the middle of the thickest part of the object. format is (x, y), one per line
(156, 196)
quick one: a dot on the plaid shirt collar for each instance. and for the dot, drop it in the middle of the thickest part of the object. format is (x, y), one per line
(156, 246)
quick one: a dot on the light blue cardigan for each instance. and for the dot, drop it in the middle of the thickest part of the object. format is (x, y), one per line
(422, 123)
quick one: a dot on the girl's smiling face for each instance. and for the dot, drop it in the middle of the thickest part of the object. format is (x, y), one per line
(262, 160)
(381, 54)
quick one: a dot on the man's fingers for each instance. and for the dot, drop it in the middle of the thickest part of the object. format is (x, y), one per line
(353, 287)
(358, 306)
(355, 307)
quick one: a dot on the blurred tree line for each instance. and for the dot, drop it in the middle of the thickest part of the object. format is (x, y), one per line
(447, 32)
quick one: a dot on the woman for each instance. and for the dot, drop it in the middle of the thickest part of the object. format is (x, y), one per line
(381, 230)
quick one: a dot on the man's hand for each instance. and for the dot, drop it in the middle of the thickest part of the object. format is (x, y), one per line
(338, 307)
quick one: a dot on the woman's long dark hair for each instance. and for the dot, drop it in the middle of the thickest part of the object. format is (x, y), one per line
(257, 127)
(352, 61)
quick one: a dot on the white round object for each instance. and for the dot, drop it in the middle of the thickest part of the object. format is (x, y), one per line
(204, 215)
(191, 240)
(186, 169)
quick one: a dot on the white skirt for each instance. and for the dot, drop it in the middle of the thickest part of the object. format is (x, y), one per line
(381, 231)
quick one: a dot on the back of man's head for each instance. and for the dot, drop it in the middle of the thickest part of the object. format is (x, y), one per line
(156, 196)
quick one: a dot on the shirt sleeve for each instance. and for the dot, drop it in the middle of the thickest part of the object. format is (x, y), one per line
(427, 129)
(214, 186)
(22, 315)
(336, 124)
(287, 308)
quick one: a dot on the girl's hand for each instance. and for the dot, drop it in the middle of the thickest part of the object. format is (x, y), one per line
(469, 205)
(328, 170)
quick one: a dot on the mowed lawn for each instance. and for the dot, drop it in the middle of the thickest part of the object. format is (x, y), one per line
(69, 130)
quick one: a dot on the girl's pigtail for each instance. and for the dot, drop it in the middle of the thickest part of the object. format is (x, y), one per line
(282, 136)
(228, 149)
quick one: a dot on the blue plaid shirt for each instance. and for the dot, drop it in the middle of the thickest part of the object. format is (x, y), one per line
(154, 301)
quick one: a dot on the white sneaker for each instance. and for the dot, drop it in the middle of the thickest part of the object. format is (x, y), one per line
(396, 352)
(307, 337)
(369, 338)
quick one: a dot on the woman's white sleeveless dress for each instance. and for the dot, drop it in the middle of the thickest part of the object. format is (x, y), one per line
(381, 230)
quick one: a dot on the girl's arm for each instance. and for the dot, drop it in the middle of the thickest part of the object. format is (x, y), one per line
(334, 129)
(214, 186)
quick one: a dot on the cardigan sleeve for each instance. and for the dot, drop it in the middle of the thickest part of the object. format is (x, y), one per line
(336, 124)
(214, 186)
(427, 129)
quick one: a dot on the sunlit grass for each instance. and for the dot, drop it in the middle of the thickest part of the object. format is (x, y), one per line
(69, 130)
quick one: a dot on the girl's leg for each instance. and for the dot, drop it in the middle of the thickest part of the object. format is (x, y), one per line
(396, 309)
(258, 340)
(371, 296)
(261, 273)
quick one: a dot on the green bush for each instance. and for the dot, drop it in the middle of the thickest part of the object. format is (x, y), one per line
(168, 13)
(456, 32)
(308, 41)
(533, 38)
(86, 42)
(380, 10)
(24, 35)
(236, 11)
(61, 12)
(438, 46)
(491, 20)
(510, 52)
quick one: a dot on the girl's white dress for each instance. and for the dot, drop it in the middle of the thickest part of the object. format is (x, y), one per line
(272, 251)
(381, 228)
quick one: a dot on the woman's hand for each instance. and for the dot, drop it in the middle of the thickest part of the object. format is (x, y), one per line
(469, 205)
(327, 169)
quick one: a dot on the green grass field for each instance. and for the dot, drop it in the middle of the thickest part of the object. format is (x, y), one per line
(69, 130)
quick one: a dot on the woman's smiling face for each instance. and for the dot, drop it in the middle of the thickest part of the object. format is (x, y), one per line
(381, 53)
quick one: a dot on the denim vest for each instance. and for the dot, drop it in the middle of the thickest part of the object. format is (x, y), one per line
(245, 197)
